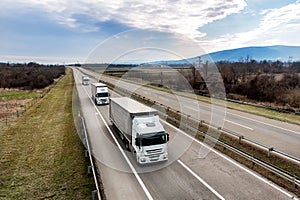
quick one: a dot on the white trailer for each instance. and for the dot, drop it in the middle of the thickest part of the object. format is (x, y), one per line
(85, 80)
(100, 93)
(140, 129)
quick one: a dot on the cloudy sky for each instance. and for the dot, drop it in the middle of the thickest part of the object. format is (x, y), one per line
(65, 31)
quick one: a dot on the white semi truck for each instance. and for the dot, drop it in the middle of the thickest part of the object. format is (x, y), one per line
(85, 80)
(140, 129)
(100, 93)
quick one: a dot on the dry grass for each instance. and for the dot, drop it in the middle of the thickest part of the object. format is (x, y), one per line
(286, 117)
(41, 153)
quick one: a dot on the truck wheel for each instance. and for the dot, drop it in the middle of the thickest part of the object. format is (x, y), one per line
(121, 136)
(127, 146)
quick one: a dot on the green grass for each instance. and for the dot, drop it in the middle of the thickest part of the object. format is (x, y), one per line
(10, 95)
(286, 117)
(41, 153)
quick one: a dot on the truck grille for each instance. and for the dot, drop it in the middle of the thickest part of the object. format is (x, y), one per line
(154, 151)
(153, 160)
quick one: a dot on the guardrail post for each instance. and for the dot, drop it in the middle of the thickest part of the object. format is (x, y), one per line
(187, 117)
(94, 192)
(269, 151)
(253, 163)
(240, 138)
(201, 122)
(86, 153)
(89, 169)
(84, 141)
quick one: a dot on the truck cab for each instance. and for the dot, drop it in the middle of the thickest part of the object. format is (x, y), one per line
(140, 129)
(100, 93)
(85, 80)
(150, 143)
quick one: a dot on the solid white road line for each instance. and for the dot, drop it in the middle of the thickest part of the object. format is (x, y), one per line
(239, 124)
(201, 180)
(296, 132)
(122, 151)
(285, 129)
(194, 108)
(163, 98)
(236, 164)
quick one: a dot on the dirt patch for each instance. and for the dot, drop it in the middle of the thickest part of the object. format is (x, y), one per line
(10, 107)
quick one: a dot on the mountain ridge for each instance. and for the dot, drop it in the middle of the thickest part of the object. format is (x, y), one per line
(259, 53)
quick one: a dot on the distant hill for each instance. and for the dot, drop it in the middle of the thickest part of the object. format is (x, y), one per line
(269, 53)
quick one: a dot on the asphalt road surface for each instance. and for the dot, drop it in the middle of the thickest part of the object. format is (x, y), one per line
(189, 174)
(280, 135)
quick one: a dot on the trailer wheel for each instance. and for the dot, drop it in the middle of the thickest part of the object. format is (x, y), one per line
(122, 137)
(127, 145)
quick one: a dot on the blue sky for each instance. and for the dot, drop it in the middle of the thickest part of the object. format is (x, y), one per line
(68, 31)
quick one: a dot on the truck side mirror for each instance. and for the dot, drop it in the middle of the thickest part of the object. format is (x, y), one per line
(168, 136)
(137, 142)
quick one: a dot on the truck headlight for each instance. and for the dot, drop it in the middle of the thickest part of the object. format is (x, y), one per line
(165, 156)
(143, 159)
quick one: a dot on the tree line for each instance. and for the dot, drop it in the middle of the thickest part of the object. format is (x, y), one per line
(275, 82)
(29, 75)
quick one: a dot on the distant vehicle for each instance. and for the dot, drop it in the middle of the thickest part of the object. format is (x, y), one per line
(85, 80)
(140, 129)
(100, 93)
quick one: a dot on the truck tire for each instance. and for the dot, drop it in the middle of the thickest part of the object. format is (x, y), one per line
(122, 137)
(127, 146)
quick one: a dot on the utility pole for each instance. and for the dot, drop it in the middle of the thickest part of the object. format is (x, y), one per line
(290, 60)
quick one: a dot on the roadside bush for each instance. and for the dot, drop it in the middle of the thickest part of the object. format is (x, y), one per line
(294, 98)
(29, 76)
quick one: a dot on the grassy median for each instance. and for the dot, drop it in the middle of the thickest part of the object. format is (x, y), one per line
(41, 154)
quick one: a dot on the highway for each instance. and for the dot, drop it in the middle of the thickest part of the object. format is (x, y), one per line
(273, 133)
(187, 174)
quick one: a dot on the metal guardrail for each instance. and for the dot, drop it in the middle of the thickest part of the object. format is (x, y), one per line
(254, 160)
(232, 133)
(243, 154)
(91, 168)
(267, 166)
(241, 137)
(83, 135)
(263, 106)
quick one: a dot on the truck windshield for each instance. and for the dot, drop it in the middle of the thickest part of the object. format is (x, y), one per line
(102, 94)
(153, 139)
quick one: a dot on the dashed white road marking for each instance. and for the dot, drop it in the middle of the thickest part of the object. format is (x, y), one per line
(239, 124)
(201, 180)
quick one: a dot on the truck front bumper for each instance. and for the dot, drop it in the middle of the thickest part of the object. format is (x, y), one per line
(102, 101)
(153, 158)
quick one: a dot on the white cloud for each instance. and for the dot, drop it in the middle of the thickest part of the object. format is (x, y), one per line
(179, 16)
(40, 59)
(277, 26)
